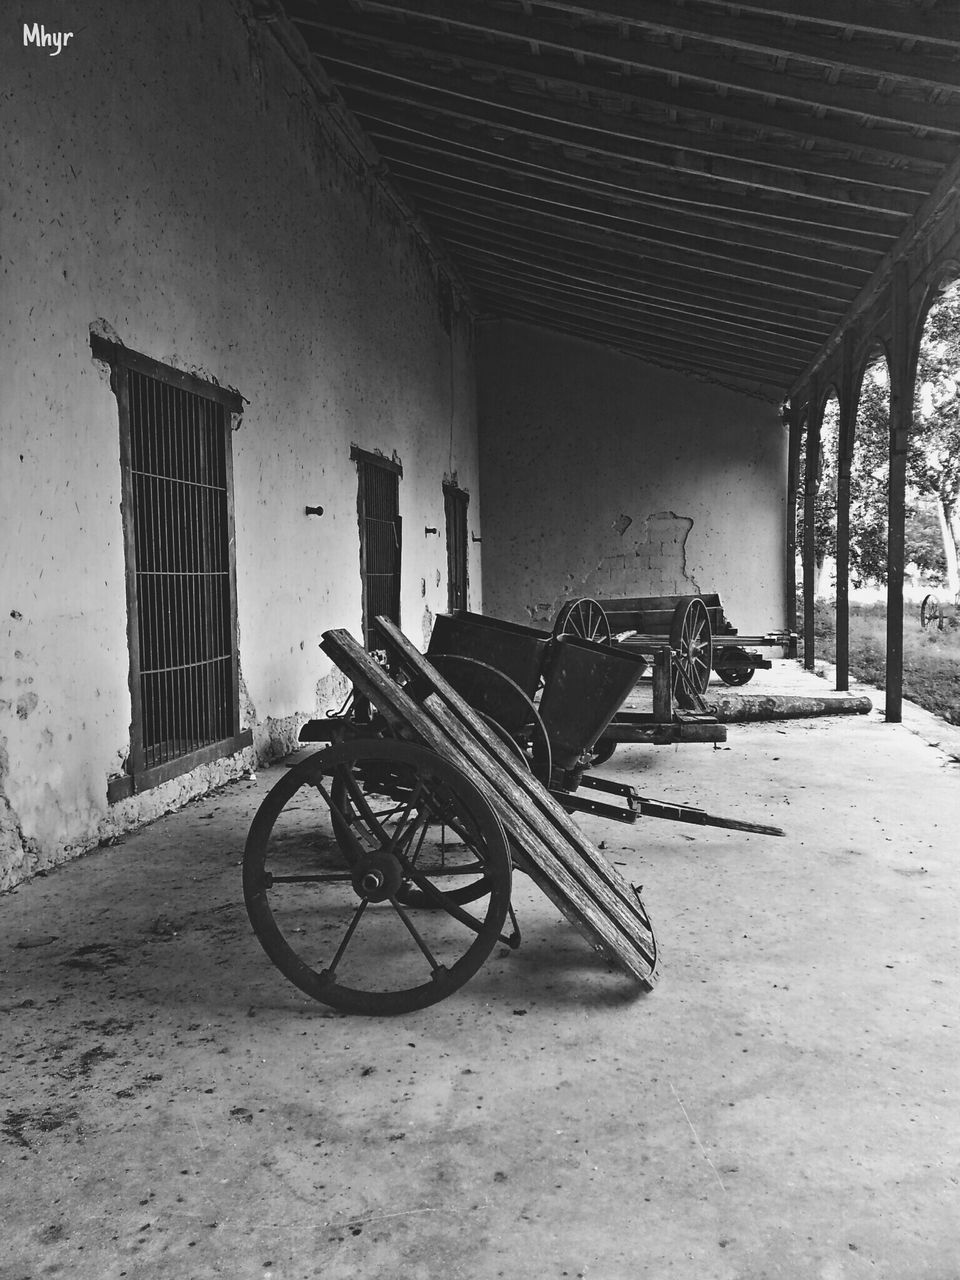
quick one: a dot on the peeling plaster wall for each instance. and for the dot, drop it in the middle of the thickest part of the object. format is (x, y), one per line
(603, 476)
(174, 187)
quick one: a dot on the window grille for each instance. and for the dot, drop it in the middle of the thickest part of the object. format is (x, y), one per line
(455, 502)
(378, 505)
(181, 582)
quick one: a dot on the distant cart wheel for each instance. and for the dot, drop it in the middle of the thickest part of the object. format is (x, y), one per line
(584, 618)
(328, 907)
(737, 672)
(602, 750)
(931, 611)
(692, 645)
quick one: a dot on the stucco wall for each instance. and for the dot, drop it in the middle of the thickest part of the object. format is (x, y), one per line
(175, 188)
(604, 476)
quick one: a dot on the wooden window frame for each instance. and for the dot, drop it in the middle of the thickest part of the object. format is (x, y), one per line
(455, 504)
(365, 460)
(139, 775)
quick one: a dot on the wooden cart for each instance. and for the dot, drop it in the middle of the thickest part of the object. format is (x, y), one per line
(377, 872)
(695, 626)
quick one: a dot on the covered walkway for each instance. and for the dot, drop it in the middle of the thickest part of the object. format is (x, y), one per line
(783, 1104)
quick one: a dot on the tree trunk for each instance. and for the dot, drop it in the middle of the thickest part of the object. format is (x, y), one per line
(947, 514)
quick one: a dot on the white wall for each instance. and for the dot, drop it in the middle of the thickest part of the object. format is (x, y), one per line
(174, 188)
(604, 476)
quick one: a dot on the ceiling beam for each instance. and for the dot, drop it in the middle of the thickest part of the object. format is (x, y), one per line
(843, 229)
(660, 60)
(616, 187)
(874, 17)
(635, 316)
(524, 115)
(748, 32)
(647, 242)
(765, 304)
(662, 295)
(678, 357)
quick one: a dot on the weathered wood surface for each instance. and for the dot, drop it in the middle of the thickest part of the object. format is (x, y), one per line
(614, 924)
(535, 802)
(731, 708)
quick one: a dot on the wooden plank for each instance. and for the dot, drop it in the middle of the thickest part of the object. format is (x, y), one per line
(620, 928)
(510, 769)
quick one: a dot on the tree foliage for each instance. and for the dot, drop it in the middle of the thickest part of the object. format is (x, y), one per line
(933, 462)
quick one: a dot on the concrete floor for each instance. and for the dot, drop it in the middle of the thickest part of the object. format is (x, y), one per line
(784, 1104)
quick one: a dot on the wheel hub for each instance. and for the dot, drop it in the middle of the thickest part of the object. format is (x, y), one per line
(377, 876)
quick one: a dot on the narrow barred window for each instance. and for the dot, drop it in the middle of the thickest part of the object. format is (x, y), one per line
(175, 448)
(455, 502)
(378, 507)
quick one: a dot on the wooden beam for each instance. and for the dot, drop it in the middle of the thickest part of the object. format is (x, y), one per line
(810, 486)
(874, 17)
(650, 300)
(860, 234)
(750, 32)
(523, 174)
(902, 364)
(810, 282)
(602, 254)
(793, 420)
(551, 120)
(848, 397)
(706, 70)
(675, 355)
(486, 278)
(686, 192)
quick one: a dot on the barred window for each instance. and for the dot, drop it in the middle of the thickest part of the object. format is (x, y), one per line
(378, 507)
(455, 502)
(177, 476)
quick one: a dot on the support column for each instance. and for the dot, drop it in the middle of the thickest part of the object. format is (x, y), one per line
(792, 418)
(848, 418)
(811, 476)
(902, 365)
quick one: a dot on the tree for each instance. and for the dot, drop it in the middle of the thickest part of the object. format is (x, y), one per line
(933, 463)
(933, 459)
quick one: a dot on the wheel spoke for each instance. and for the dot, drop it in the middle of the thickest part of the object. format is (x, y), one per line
(397, 856)
(345, 941)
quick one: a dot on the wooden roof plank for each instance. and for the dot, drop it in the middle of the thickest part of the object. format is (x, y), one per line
(660, 60)
(753, 32)
(442, 161)
(551, 120)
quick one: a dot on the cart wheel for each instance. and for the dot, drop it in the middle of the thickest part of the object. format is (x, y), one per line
(327, 908)
(367, 800)
(584, 618)
(930, 612)
(602, 750)
(503, 705)
(730, 674)
(692, 644)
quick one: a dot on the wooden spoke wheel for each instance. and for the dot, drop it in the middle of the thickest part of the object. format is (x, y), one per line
(737, 672)
(931, 611)
(341, 852)
(692, 646)
(503, 704)
(584, 618)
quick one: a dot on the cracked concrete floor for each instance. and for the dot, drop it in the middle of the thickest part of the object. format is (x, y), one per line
(784, 1104)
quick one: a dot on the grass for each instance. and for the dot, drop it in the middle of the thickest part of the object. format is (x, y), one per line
(931, 658)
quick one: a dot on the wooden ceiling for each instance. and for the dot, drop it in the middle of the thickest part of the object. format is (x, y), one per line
(702, 184)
